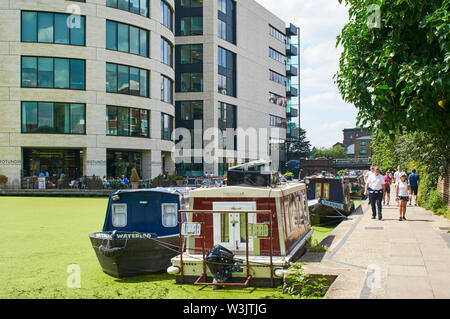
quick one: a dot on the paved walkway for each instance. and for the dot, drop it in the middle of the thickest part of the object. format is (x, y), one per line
(387, 258)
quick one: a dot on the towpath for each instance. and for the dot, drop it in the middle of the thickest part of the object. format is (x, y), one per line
(387, 258)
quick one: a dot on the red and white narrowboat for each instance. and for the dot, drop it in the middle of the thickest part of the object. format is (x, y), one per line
(242, 235)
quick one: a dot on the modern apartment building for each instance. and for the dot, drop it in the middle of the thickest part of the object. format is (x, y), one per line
(236, 69)
(86, 88)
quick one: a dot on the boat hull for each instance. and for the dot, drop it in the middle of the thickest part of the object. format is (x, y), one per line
(327, 211)
(138, 256)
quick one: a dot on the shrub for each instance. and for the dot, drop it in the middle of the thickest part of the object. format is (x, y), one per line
(301, 285)
(435, 202)
(3, 179)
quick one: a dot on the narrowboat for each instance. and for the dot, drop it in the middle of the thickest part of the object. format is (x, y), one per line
(356, 186)
(243, 234)
(140, 232)
(329, 196)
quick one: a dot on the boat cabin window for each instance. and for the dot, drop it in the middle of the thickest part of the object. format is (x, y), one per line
(318, 190)
(119, 215)
(326, 191)
(169, 215)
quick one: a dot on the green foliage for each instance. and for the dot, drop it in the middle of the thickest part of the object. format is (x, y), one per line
(398, 75)
(435, 202)
(301, 285)
(330, 153)
(315, 247)
(299, 147)
(341, 172)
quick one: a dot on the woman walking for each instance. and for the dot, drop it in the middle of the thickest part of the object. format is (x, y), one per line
(402, 195)
(387, 183)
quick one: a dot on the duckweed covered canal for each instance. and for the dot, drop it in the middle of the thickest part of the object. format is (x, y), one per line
(43, 237)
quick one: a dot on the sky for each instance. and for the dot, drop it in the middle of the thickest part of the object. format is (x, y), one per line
(323, 113)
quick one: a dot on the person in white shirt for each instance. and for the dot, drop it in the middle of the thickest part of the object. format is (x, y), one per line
(368, 173)
(402, 191)
(375, 188)
(397, 174)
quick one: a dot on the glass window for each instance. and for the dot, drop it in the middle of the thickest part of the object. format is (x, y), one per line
(123, 37)
(144, 123)
(134, 81)
(123, 81)
(134, 6)
(45, 27)
(45, 72)
(119, 214)
(29, 26)
(166, 89)
(191, 3)
(143, 83)
(62, 118)
(191, 26)
(134, 40)
(62, 34)
(62, 80)
(166, 126)
(144, 7)
(191, 82)
(29, 117)
(111, 3)
(111, 77)
(123, 121)
(166, 52)
(123, 5)
(111, 120)
(191, 54)
(77, 33)
(29, 72)
(77, 74)
(45, 118)
(78, 119)
(169, 215)
(143, 38)
(167, 15)
(111, 35)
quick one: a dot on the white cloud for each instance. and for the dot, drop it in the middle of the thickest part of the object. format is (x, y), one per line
(323, 112)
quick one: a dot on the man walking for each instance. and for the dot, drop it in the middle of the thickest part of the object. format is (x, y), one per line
(375, 188)
(413, 181)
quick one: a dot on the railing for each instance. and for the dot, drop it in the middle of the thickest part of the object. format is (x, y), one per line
(352, 161)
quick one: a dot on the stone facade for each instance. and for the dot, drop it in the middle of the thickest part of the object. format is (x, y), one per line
(95, 142)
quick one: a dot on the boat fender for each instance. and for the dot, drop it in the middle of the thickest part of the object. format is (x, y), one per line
(111, 252)
(279, 272)
(173, 270)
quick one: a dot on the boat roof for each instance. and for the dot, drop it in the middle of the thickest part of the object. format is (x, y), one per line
(248, 191)
(163, 190)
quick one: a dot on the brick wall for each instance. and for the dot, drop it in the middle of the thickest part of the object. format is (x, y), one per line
(444, 186)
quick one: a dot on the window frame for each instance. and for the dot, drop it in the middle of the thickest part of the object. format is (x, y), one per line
(116, 107)
(53, 36)
(114, 213)
(163, 213)
(129, 26)
(37, 73)
(129, 3)
(147, 87)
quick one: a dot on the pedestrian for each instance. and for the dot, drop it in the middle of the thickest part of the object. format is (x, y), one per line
(397, 174)
(413, 181)
(375, 188)
(369, 173)
(387, 187)
(402, 196)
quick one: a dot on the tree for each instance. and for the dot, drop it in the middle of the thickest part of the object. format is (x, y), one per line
(397, 75)
(299, 147)
(330, 153)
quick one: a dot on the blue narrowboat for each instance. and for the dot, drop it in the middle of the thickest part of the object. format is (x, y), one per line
(329, 196)
(140, 232)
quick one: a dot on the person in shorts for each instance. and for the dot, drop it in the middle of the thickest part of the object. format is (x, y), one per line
(387, 188)
(402, 195)
(413, 180)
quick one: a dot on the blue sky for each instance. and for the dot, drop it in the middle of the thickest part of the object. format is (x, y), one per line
(323, 112)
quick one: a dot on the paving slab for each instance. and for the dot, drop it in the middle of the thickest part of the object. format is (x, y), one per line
(388, 258)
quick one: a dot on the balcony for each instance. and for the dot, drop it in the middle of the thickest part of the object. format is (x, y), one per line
(291, 91)
(291, 50)
(292, 113)
(293, 134)
(291, 30)
(291, 70)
